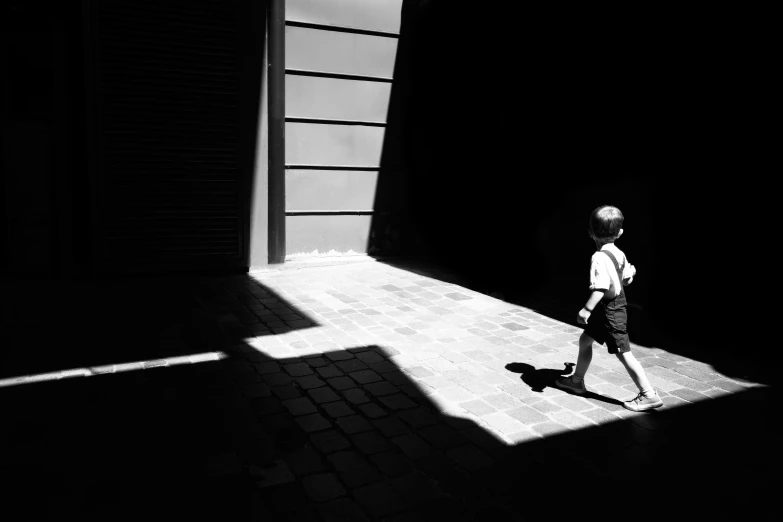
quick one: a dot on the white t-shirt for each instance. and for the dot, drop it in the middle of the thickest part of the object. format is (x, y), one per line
(603, 275)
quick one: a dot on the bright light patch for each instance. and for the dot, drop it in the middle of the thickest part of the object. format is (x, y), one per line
(112, 368)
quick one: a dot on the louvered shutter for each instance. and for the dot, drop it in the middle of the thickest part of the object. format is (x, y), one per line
(167, 77)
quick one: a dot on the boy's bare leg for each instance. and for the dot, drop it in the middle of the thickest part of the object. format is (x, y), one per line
(584, 359)
(637, 374)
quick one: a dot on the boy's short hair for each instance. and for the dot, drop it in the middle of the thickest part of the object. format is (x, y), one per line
(606, 222)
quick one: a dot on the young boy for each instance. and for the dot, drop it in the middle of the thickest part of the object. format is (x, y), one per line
(605, 315)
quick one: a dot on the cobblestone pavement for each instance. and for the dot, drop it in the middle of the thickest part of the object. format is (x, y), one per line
(359, 391)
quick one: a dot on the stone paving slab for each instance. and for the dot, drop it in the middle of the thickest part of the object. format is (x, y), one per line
(361, 391)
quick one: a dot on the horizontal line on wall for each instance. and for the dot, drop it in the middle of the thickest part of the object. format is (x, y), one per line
(338, 76)
(330, 212)
(327, 121)
(330, 167)
(340, 29)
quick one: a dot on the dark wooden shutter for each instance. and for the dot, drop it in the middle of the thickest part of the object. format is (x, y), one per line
(168, 178)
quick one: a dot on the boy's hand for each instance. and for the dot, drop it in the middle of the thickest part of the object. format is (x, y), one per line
(628, 280)
(583, 316)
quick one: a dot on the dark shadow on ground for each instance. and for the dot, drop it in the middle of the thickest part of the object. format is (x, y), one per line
(51, 325)
(538, 379)
(227, 439)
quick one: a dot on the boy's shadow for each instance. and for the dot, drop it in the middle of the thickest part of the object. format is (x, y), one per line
(540, 379)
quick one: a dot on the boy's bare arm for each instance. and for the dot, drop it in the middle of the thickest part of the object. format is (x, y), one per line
(592, 301)
(628, 280)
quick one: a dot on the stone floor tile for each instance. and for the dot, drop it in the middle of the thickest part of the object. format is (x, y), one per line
(573, 403)
(519, 391)
(379, 500)
(397, 401)
(418, 417)
(671, 402)
(501, 401)
(417, 490)
(338, 409)
(455, 394)
(455, 357)
(397, 378)
(370, 357)
(503, 422)
(439, 364)
(323, 487)
(382, 388)
(323, 394)
(600, 416)
(341, 383)
(661, 384)
(478, 355)
(479, 388)
(520, 437)
(309, 381)
(527, 415)
(694, 373)
(546, 406)
(339, 355)
(267, 367)
(405, 331)
(392, 463)
(356, 396)
(330, 371)
(391, 426)
(477, 407)
(442, 436)
(713, 393)
(277, 379)
(570, 419)
(342, 510)
(266, 405)
(365, 376)
(313, 422)
(384, 367)
(317, 361)
(353, 468)
(329, 441)
(496, 378)
(298, 369)
(413, 446)
(672, 357)
(474, 368)
(370, 442)
(305, 462)
(353, 424)
(351, 365)
(550, 428)
(470, 457)
(689, 395)
(299, 406)
(372, 410)
(727, 385)
(437, 382)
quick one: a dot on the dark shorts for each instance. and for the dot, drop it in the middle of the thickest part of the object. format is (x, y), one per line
(608, 324)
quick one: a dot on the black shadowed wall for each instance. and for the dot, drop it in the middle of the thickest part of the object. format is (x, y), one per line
(511, 126)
